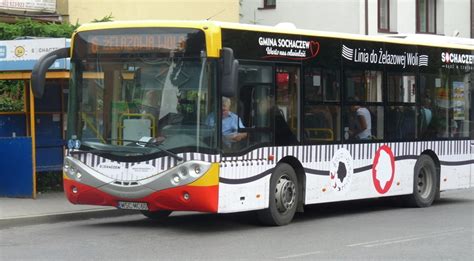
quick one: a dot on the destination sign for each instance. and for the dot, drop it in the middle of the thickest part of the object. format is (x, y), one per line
(136, 43)
(140, 41)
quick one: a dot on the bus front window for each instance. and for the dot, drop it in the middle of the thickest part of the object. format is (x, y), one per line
(118, 101)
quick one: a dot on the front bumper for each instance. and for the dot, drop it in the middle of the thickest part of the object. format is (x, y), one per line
(160, 192)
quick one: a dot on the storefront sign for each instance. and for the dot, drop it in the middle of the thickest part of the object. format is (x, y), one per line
(45, 6)
(21, 55)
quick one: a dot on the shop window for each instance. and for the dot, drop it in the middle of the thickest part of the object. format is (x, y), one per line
(269, 4)
(384, 15)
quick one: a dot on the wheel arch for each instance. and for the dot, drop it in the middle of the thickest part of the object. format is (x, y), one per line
(300, 174)
(437, 163)
(435, 159)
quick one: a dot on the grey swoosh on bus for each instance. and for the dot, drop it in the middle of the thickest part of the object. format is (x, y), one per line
(347, 53)
(423, 60)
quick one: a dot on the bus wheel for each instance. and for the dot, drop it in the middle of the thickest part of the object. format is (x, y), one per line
(425, 185)
(157, 215)
(283, 197)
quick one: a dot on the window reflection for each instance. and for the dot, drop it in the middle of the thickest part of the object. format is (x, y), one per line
(446, 98)
(364, 86)
(401, 88)
(321, 123)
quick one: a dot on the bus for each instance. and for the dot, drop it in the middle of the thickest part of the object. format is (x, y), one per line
(325, 117)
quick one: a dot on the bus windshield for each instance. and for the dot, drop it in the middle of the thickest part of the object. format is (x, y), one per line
(123, 96)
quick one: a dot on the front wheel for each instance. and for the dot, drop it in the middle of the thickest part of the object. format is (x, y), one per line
(426, 183)
(284, 196)
(156, 215)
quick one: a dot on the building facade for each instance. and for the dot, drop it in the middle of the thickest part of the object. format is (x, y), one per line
(84, 11)
(371, 17)
(40, 10)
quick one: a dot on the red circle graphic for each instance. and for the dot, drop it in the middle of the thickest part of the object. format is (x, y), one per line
(376, 176)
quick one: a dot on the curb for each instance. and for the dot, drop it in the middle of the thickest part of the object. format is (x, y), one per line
(63, 217)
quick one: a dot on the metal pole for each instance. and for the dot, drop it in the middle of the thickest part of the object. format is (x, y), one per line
(33, 137)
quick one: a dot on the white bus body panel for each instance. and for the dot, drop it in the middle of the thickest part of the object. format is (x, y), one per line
(244, 183)
(320, 190)
(457, 176)
(247, 193)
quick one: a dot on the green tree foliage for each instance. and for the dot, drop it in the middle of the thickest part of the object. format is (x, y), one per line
(11, 96)
(28, 27)
(107, 18)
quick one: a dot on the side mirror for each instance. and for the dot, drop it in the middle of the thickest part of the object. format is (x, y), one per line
(230, 71)
(38, 73)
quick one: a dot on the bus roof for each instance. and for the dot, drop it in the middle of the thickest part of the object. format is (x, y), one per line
(424, 40)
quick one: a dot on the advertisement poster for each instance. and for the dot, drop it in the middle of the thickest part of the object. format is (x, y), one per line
(458, 100)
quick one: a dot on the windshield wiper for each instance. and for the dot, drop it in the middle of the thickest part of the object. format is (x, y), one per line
(153, 143)
(100, 148)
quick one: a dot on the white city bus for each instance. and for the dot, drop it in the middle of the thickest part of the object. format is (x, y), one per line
(327, 117)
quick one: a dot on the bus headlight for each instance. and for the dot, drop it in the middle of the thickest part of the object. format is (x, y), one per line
(175, 179)
(66, 166)
(72, 171)
(184, 172)
(197, 169)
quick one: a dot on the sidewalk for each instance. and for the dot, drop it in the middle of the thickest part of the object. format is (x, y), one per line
(49, 208)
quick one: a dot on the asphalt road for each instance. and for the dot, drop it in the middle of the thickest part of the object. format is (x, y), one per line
(358, 230)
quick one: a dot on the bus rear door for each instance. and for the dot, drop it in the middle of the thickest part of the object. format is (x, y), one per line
(472, 162)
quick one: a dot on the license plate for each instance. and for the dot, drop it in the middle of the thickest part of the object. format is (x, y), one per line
(132, 205)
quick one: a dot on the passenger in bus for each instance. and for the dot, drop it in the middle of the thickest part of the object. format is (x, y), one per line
(362, 127)
(231, 122)
(425, 116)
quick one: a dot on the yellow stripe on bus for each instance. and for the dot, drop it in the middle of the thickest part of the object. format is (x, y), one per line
(210, 178)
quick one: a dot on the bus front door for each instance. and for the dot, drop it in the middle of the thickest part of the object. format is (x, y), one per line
(287, 109)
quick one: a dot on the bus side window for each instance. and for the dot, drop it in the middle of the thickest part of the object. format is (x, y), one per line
(253, 103)
(322, 116)
(365, 118)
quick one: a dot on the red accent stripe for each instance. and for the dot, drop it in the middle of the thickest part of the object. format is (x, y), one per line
(201, 198)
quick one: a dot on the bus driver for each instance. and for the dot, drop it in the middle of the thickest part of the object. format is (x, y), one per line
(229, 124)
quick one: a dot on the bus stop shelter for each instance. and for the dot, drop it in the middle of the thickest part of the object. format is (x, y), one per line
(31, 139)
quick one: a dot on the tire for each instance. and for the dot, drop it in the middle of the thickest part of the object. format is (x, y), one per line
(156, 215)
(284, 196)
(425, 183)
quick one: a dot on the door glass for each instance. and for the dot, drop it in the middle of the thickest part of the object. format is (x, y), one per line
(287, 96)
(252, 109)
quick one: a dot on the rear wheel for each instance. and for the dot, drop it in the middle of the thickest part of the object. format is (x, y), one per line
(156, 215)
(284, 197)
(426, 183)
